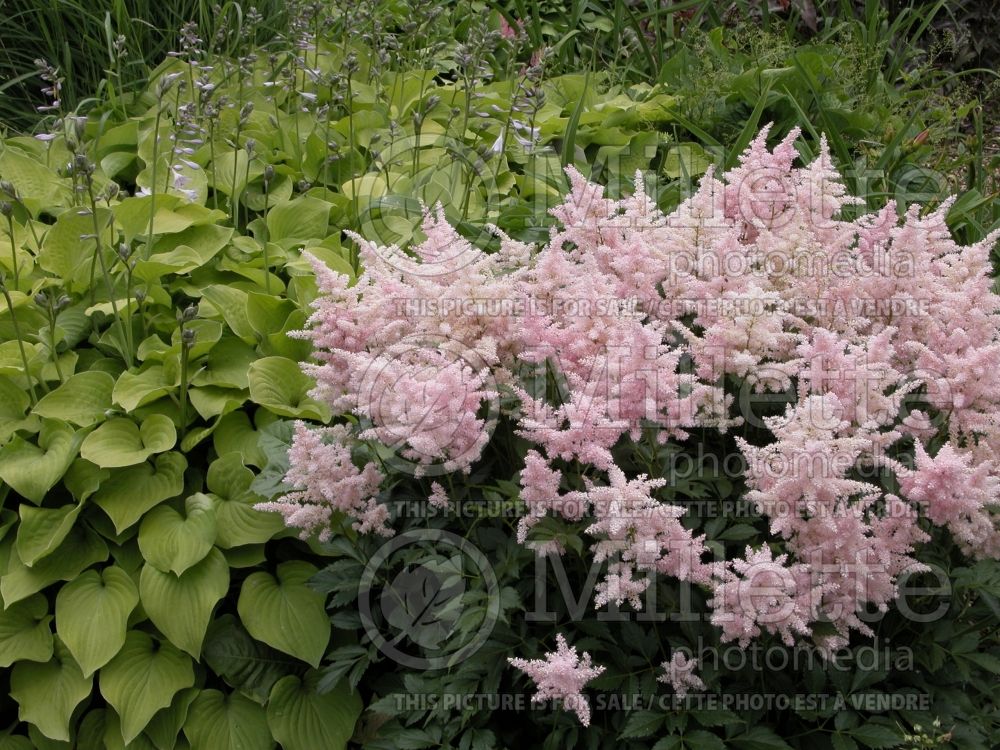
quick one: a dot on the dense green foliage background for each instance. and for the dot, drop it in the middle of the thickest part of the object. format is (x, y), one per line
(150, 245)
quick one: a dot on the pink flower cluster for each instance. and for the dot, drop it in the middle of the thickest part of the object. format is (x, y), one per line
(632, 324)
(561, 675)
(326, 480)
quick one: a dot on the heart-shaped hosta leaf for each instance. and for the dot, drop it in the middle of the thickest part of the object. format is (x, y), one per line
(43, 529)
(142, 679)
(302, 719)
(68, 257)
(172, 542)
(227, 722)
(227, 364)
(14, 404)
(81, 400)
(25, 634)
(83, 479)
(303, 218)
(181, 606)
(92, 613)
(131, 492)
(238, 522)
(285, 613)
(135, 389)
(279, 384)
(80, 549)
(164, 727)
(247, 665)
(120, 442)
(47, 693)
(32, 470)
(37, 184)
(231, 304)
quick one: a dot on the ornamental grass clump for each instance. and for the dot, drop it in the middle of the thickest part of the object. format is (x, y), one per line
(634, 327)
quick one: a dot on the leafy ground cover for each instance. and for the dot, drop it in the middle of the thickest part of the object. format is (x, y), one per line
(153, 221)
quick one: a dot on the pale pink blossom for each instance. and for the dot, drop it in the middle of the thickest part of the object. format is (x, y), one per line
(561, 675)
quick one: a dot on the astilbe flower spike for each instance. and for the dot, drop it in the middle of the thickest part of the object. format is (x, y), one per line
(561, 675)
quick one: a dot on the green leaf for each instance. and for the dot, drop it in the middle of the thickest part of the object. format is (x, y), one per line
(92, 613)
(14, 404)
(245, 664)
(302, 719)
(15, 742)
(135, 389)
(303, 218)
(39, 186)
(43, 529)
(279, 384)
(227, 364)
(25, 634)
(238, 522)
(82, 400)
(81, 549)
(47, 693)
(231, 304)
(181, 606)
(227, 722)
(641, 724)
(131, 492)
(172, 542)
(876, 735)
(119, 442)
(32, 470)
(285, 613)
(703, 740)
(759, 738)
(166, 724)
(83, 479)
(142, 679)
(65, 255)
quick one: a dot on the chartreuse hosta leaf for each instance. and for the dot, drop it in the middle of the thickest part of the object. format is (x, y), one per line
(14, 404)
(302, 719)
(173, 542)
(129, 493)
(303, 218)
(142, 679)
(25, 634)
(32, 470)
(91, 615)
(285, 613)
(279, 384)
(237, 521)
(83, 479)
(164, 727)
(120, 442)
(135, 389)
(227, 722)
(47, 693)
(43, 529)
(181, 606)
(80, 549)
(82, 400)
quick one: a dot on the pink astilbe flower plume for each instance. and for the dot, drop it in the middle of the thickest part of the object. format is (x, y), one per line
(679, 673)
(326, 481)
(561, 675)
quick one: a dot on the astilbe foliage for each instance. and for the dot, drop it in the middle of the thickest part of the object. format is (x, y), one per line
(885, 332)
